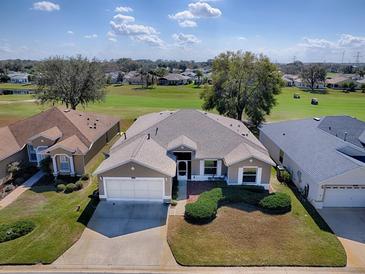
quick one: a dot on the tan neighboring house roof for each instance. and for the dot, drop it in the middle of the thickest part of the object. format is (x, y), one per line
(338, 79)
(58, 124)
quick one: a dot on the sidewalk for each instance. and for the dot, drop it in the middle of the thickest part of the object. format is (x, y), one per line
(179, 209)
(21, 189)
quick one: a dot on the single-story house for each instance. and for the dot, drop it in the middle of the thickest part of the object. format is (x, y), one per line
(190, 145)
(18, 77)
(133, 78)
(326, 155)
(71, 138)
(338, 81)
(173, 79)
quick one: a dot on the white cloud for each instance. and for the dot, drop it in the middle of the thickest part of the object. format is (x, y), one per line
(111, 36)
(124, 18)
(123, 9)
(317, 43)
(348, 40)
(195, 11)
(203, 10)
(150, 39)
(45, 6)
(242, 38)
(91, 36)
(132, 29)
(188, 24)
(70, 32)
(185, 40)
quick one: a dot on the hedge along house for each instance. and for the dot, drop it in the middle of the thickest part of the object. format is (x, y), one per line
(71, 138)
(326, 155)
(189, 144)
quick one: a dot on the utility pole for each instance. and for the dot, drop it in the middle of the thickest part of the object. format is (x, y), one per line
(294, 59)
(343, 57)
(357, 57)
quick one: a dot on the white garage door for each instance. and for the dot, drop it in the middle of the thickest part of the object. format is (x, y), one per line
(351, 196)
(137, 189)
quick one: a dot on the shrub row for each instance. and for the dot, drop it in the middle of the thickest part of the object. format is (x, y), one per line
(71, 187)
(205, 208)
(15, 230)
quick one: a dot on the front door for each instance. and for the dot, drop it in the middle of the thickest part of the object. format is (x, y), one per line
(182, 170)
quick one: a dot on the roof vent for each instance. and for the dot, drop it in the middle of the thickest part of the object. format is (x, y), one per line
(148, 136)
(80, 114)
(329, 128)
(283, 133)
(316, 119)
(88, 118)
(231, 125)
(156, 130)
(345, 137)
(66, 110)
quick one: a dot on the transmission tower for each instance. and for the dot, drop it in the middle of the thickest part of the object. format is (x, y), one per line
(343, 57)
(357, 57)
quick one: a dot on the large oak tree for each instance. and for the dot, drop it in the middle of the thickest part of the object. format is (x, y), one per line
(243, 83)
(70, 81)
(313, 75)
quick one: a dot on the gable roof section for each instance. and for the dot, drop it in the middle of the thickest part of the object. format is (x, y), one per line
(143, 151)
(8, 143)
(51, 134)
(344, 127)
(314, 150)
(244, 152)
(182, 141)
(72, 144)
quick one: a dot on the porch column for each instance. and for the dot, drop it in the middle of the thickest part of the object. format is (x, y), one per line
(72, 173)
(54, 162)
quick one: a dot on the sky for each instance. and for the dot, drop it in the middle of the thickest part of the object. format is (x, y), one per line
(284, 30)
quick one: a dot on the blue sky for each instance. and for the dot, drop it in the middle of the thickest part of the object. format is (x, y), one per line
(311, 30)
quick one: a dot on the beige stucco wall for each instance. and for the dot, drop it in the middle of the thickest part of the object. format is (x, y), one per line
(233, 170)
(20, 156)
(195, 168)
(139, 171)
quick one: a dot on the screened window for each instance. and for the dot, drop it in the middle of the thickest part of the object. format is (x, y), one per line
(32, 154)
(249, 175)
(210, 167)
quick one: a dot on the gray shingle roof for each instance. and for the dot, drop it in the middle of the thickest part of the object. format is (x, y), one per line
(313, 149)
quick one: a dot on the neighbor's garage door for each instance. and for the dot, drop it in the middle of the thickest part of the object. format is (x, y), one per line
(138, 189)
(351, 196)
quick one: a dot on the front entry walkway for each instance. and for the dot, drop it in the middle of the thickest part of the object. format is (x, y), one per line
(21, 189)
(123, 234)
(182, 196)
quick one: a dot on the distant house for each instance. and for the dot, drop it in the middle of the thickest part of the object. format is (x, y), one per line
(292, 80)
(173, 79)
(70, 138)
(289, 79)
(325, 157)
(338, 81)
(113, 76)
(133, 78)
(18, 77)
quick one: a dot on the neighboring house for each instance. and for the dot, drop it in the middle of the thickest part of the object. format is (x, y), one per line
(292, 80)
(360, 82)
(289, 79)
(18, 77)
(189, 144)
(113, 77)
(325, 154)
(338, 81)
(173, 79)
(71, 138)
(133, 78)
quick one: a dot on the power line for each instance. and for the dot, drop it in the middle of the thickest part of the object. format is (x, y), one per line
(357, 57)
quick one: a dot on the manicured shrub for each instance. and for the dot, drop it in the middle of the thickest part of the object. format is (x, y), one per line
(15, 230)
(79, 185)
(61, 188)
(277, 202)
(286, 177)
(71, 187)
(173, 202)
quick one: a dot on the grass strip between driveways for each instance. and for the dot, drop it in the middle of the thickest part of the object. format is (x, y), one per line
(58, 224)
(242, 235)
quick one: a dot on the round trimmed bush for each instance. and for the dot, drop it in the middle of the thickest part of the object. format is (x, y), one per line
(79, 185)
(15, 230)
(70, 188)
(61, 188)
(277, 202)
(85, 177)
(202, 211)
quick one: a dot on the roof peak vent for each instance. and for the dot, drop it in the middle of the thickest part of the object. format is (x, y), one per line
(316, 119)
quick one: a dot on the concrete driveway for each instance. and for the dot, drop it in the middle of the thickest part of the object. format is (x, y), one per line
(349, 226)
(123, 234)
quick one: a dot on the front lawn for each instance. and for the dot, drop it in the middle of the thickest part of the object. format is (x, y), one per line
(58, 223)
(242, 235)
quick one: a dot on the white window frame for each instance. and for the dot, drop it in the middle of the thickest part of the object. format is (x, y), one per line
(258, 175)
(30, 150)
(67, 160)
(243, 174)
(216, 167)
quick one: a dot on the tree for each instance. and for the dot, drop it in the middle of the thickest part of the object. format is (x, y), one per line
(352, 86)
(345, 87)
(313, 75)
(70, 81)
(160, 71)
(199, 74)
(362, 87)
(243, 83)
(361, 73)
(120, 78)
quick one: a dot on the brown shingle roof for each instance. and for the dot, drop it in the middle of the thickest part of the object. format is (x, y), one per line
(8, 144)
(72, 144)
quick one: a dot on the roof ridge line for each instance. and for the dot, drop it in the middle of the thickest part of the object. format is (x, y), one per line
(138, 147)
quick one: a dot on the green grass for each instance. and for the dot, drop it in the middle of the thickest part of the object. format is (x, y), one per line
(16, 86)
(241, 235)
(129, 102)
(58, 224)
